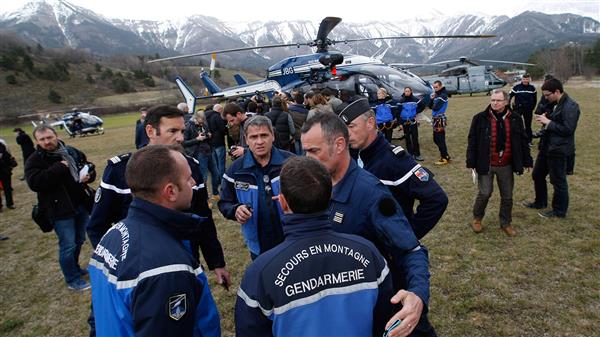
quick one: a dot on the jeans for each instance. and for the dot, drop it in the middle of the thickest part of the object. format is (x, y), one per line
(218, 154)
(506, 182)
(71, 236)
(556, 167)
(207, 164)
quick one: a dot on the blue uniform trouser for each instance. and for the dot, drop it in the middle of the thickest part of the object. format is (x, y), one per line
(71, 236)
(556, 167)
(411, 133)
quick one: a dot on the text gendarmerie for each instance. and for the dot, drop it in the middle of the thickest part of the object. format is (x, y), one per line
(322, 280)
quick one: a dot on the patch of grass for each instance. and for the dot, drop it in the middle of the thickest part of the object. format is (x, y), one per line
(10, 325)
(543, 282)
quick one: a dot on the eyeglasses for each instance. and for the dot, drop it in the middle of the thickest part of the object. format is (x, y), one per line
(548, 94)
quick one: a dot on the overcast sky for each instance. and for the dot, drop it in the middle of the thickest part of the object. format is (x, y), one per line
(315, 10)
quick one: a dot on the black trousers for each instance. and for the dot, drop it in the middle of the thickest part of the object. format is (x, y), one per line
(556, 168)
(527, 117)
(411, 133)
(7, 187)
(439, 138)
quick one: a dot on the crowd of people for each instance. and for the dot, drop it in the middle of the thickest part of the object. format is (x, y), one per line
(330, 210)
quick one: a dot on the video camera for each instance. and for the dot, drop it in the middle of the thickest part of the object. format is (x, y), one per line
(259, 96)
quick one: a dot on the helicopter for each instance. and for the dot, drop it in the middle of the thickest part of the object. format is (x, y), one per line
(356, 74)
(76, 123)
(468, 77)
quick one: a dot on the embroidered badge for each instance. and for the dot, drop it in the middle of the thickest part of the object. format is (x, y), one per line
(242, 186)
(422, 174)
(98, 195)
(338, 217)
(177, 306)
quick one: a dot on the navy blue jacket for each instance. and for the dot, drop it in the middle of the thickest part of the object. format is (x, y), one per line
(439, 104)
(558, 138)
(525, 96)
(141, 138)
(114, 196)
(362, 205)
(145, 281)
(408, 182)
(242, 185)
(316, 283)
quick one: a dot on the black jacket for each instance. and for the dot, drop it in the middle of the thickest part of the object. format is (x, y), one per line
(480, 134)
(193, 147)
(279, 119)
(558, 138)
(217, 127)
(26, 144)
(59, 195)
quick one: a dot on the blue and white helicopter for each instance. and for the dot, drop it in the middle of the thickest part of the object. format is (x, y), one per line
(357, 74)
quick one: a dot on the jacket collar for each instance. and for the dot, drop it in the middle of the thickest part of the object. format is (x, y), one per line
(368, 153)
(181, 225)
(298, 225)
(276, 159)
(343, 189)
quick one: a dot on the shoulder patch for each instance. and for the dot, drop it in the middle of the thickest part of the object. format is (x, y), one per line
(387, 206)
(398, 150)
(177, 306)
(422, 174)
(115, 159)
(119, 158)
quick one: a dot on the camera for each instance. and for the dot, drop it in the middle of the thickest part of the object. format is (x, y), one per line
(232, 149)
(259, 97)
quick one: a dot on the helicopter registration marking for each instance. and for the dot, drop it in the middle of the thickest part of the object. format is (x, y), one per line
(288, 70)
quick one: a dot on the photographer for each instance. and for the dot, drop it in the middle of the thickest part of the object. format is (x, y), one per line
(197, 145)
(235, 116)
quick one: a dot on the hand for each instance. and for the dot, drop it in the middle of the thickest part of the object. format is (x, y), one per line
(223, 277)
(201, 136)
(242, 214)
(528, 169)
(64, 162)
(238, 152)
(85, 178)
(542, 119)
(412, 306)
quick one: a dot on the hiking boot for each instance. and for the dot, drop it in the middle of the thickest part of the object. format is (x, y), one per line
(550, 214)
(477, 226)
(533, 205)
(78, 285)
(509, 230)
(442, 161)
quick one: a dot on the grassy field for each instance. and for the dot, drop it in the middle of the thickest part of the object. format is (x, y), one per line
(543, 282)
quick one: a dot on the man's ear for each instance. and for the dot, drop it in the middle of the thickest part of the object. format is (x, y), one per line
(150, 131)
(339, 145)
(285, 207)
(169, 192)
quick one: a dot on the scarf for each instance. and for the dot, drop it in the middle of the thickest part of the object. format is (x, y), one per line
(62, 151)
(499, 117)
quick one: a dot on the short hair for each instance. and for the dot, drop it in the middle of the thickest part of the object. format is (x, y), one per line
(317, 97)
(18, 130)
(306, 185)
(42, 128)
(327, 91)
(331, 125)
(218, 108)
(231, 109)
(552, 85)
(157, 112)
(251, 107)
(157, 159)
(143, 109)
(200, 114)
(504, 94)
(258, 121)
(438, 82)
(382, 90)
(209, 107)
(277, 103)
(526, 76)
(298, 96)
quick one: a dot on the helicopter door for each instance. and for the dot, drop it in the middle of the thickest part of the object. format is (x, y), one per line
(477, 79)
(463, 84)
(366, 86)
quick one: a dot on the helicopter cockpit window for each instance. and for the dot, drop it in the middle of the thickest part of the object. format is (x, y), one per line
(367, 87)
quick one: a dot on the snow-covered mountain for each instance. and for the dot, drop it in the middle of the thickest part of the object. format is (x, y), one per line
(57, 23)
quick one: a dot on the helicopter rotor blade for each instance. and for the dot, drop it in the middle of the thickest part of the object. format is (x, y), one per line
(483, 36)
(509, 62)
(325, 28)
(222, 51)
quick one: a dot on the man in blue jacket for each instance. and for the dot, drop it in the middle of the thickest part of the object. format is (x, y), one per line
(395, 168)
(303, 286)
(145, 281)
(249, 185)
(438, 106)
(525, 97)
(362, 205)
